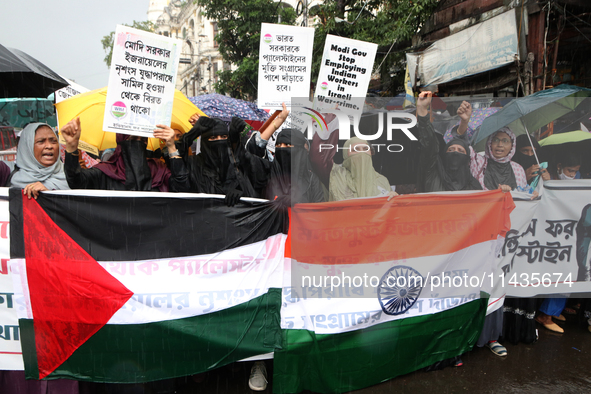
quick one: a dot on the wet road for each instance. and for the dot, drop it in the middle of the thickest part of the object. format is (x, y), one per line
(556, 363)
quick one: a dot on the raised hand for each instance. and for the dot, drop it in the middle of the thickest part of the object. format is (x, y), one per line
(71, 132)
(423, 103)
(194, 118)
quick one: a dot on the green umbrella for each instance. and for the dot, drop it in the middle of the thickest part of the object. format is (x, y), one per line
(532, 112)
(563, 138)
(558, 146)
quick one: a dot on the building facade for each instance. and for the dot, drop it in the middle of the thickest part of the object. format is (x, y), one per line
(200, 58)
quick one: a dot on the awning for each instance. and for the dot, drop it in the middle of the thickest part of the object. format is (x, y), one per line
(482, 47)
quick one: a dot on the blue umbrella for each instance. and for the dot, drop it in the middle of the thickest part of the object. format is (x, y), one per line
(532, 112)
(220, 106)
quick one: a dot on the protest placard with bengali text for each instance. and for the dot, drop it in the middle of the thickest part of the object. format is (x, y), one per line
(285, 61)
(141, 83)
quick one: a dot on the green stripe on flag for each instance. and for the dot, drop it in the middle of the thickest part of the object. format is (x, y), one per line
(153, 351)
(336, 363)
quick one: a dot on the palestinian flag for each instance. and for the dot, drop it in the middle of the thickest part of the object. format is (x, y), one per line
(339, 337)
(135, 287)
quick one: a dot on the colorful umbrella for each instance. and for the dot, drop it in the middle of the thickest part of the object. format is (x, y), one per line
(478, 116)
(219, 106)
(90, 107)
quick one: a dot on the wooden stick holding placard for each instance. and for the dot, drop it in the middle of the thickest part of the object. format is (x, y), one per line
(268, 123)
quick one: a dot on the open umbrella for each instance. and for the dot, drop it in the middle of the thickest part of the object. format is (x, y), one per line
(577, 142)
(220, 106)
(564, 138)
(478, 116)
(90, 107)
(23, 76)
(532, 112)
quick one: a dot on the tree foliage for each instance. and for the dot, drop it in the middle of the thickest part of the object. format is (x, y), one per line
(382, 22)
(107, 40)
(239, 31)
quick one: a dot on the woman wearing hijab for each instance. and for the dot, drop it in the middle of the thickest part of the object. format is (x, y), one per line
(356, 177)
(38, 167)
(495, 169)
(524, 156)
(223, 166)
(447, 172)
(291, 175)
(127, 169)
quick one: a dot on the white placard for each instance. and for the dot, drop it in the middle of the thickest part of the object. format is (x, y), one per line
(344, 74)
(285, 62)
(142, 82)
(71, 90)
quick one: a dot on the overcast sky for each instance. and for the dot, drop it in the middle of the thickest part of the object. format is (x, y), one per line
(65, 35)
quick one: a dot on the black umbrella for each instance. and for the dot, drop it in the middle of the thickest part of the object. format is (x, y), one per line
(23, 76)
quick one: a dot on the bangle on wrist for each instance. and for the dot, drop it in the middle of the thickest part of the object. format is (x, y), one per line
(274, 125)
(75, 153)
(174, 154)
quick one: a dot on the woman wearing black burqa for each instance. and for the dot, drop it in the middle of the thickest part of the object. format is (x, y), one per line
(447, 172)
(224, 165)
(524, 156)
(129, 168)
(292, 180)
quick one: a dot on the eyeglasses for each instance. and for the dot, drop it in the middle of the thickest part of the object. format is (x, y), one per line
(504, 141)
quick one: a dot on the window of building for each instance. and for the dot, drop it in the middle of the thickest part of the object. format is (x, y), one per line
(215, 33)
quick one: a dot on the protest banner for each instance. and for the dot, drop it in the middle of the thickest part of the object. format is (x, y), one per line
(547, 249)
(11, 357)
(450, 239)
(141, 82)
(285, 62)
(344, 74)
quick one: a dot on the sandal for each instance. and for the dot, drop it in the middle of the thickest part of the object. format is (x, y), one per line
(497, 348)
(569, 311)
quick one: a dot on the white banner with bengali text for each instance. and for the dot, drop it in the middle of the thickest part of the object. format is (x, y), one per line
(141, 81)
(285, 63)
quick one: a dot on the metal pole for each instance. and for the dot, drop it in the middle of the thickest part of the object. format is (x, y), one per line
(531, 143)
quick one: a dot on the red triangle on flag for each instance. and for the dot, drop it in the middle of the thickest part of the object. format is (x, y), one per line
(72, 296)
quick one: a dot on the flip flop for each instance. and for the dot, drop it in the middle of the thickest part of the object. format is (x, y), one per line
(569, 311)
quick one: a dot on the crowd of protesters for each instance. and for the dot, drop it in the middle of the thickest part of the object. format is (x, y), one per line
(232, 163)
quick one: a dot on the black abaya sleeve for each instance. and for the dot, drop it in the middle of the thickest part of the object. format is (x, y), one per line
(79, 178)
(429, 178)
(179, 176)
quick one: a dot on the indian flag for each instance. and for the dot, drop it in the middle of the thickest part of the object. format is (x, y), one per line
(378, 289)
(134, 287)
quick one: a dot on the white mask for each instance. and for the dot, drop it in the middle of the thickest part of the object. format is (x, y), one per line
(564, 177)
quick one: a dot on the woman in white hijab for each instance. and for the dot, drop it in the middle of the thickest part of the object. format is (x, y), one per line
(38, 167)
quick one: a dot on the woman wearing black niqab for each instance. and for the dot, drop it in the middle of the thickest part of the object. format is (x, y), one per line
(524, 156)
(223, 166)
(449, 171)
